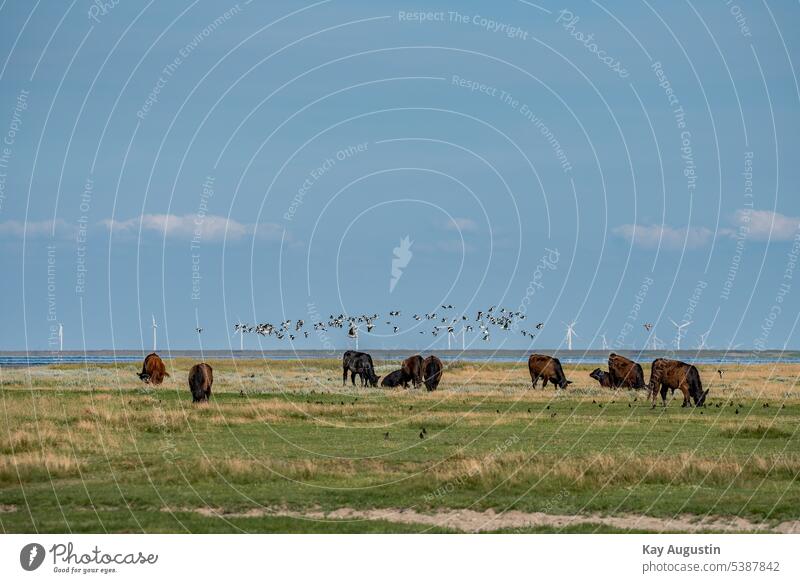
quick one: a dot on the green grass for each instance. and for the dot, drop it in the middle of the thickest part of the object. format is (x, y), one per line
(120, 459)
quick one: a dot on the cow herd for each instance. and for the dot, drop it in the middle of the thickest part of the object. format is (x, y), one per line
(665, 374)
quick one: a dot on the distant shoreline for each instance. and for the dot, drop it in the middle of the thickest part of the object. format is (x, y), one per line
(44, 357)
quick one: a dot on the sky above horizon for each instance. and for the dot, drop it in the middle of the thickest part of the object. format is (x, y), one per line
(210, 163)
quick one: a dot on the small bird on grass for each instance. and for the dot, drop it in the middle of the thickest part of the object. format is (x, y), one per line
(421, 435)
(386, 435)
(425, 431)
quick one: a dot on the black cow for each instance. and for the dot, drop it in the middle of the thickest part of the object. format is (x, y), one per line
(395, 379)
(602, 377)
(359, 363)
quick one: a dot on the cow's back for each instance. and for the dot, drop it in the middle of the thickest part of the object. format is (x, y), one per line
(672, 373)
(625, 372)
(154, 368)
(542, 365)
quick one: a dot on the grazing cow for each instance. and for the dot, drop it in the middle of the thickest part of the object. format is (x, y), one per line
(625, 373)
(358, 363)
(674, 374)
(548, 369)
(432, 369)
(412, 366)
(395, 379)
(153, 369)
(601, 377)
(201, 377)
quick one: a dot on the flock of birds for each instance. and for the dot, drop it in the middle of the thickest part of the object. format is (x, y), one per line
(442, 321)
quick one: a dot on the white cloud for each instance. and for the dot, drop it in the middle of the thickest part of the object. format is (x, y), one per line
(460, 224)
(209, 227)
(664, 235)
(760, 223)
(59, 229)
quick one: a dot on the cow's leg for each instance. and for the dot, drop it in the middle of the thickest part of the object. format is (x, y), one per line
(344, 376)
(685, 391)
(664, 395)
(353, 378)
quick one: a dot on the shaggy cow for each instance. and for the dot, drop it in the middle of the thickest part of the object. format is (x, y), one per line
(601, 377)
(201, 377)
(548, 369)
(395, 379)
(412, 366)
(153, 369)
(432, 369)
(358, 363)
(674, 374)
(625, 373)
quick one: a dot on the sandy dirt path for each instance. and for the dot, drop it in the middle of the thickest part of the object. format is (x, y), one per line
(474, 521)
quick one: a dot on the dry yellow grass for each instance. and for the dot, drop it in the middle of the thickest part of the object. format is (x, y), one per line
(253, 376)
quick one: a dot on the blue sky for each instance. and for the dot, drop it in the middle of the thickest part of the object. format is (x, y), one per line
(213, 162)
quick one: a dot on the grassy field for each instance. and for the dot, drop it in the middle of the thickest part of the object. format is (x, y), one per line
(283, 447)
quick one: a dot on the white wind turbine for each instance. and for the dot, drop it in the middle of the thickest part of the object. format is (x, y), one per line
(570, 334)
(605, 343)
(703, 338)
(155, 327)
(679, 332)
(240, 331)
(60, 337)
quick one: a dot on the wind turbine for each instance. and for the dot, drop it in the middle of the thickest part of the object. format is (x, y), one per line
(679, 329)
(605, 343)
(60, 337)
(703, 337)
(570, 334)
(155, 327)
(241, 335)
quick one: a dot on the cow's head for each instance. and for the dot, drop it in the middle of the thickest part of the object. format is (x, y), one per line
(700, 397)
(144, 377)
(373, 379)
(564, 382)
(597, 375)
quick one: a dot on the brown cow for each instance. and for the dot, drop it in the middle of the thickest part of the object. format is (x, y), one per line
(625, 373)
(601, 377)
(153, 369)
(674, 374)
(432, 370)
(201, 377)
(412, 367)
(548, 369)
